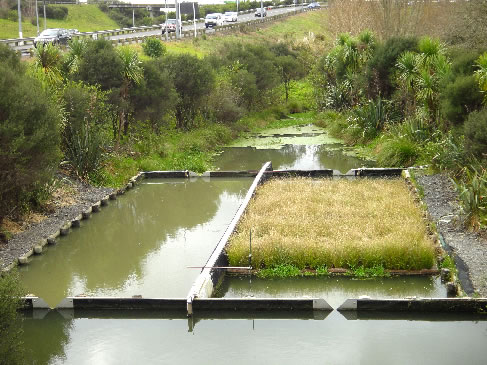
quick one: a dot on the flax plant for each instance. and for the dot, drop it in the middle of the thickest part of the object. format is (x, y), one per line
(333, 223)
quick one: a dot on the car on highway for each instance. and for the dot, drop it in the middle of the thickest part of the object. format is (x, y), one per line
(259, 12)
(230, 16)
(314, 6)
(170, 26)
(213, 20)
(53, 35)
(73, 31)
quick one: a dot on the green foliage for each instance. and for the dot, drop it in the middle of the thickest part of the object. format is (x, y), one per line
(193, 79)
(47, 63)
(11, 346)
(475, 129)
(445, 152)
(370, 118)
(279, 271)
(55, 12)
(100, 65)
(398, 152)
(154, 97)
(153, 47)
(9, 58)
(459, 98)
(29, 136)
(368, 272)
(473, 195)
(381, 66)
(88, 120)
(72, 59)
(481, 74)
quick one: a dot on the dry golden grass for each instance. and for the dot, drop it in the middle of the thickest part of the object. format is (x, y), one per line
(337, 223)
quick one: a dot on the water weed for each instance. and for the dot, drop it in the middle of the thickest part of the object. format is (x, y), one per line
(334, 223)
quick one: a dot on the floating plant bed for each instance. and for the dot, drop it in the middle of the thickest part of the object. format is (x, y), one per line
(357, 225)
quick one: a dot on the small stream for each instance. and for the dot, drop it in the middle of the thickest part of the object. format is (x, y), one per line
(144, 243)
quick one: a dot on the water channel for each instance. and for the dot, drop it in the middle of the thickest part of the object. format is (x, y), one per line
(143, 244)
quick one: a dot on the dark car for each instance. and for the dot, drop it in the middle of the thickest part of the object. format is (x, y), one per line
(260, 12)
(54, 36)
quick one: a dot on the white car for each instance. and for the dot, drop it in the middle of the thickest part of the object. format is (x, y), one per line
(213, 20)
(230, 16)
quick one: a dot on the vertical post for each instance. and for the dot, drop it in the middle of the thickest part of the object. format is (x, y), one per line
(237, 6)
(194, 20)
(45, 21)
(133, 17)
(37, 18)
(20, 19)
(165, 21)
(178, 31)
(262, 9)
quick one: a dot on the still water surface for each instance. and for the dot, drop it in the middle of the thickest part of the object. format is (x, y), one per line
(333, 340)
(142, 244)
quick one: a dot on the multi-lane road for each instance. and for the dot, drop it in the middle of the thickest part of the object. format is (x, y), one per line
(201, 25)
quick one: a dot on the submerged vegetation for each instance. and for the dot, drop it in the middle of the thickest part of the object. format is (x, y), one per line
(362, 225)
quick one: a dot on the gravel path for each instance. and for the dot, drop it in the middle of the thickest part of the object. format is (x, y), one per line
(469, 249)
(83, 197)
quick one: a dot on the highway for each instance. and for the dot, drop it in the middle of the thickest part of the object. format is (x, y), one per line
(201, 25)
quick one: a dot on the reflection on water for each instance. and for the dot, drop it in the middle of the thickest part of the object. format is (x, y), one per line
(290, 157)
(332, 340)
(141, 244)
(334, 289)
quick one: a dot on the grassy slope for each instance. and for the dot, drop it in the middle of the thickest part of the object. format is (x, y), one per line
(82, 17)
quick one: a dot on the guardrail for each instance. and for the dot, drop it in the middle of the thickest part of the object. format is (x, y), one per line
(18, 42)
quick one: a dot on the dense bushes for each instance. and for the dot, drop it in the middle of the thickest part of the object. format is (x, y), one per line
(11, 349)
(476, 133)
(29, 140)
(55, 12)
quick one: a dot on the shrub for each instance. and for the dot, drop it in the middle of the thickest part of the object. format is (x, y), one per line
(473, 195)
(398, 152)
(100, 65)
(193, 79)
(11, 347)
(475, 129)
(29, 136)
(459, 98)
(87, 125)
(9, 58)
(55, 12)
(381, 66)
(154, 97)
(153, 47)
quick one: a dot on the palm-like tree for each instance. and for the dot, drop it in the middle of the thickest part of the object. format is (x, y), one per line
(132, 73)
(47, 64)
(481, 74)
(76, 49)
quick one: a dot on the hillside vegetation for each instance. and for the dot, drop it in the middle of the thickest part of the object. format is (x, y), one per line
(85, 18)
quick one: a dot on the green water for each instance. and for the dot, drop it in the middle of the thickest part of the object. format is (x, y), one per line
(141, 244)
(335, 289)
(132, 339)
(291, 148)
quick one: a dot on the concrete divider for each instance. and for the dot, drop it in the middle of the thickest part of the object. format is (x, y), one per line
(205, 283)
(32, 302)
(130, 303)
(167, 174)
(376, 171)
(260, 304)
(436, 305)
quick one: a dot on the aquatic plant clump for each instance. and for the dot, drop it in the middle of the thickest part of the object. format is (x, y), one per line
(334, 223)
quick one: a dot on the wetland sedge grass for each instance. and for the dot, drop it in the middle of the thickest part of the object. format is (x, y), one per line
(334, 223)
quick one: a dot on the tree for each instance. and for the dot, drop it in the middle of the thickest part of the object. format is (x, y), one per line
(155, 95)
(29, 139)
(131, 73)
(288, 65)
(193, 80)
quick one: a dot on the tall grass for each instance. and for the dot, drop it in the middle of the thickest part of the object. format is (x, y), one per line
(335, 223)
